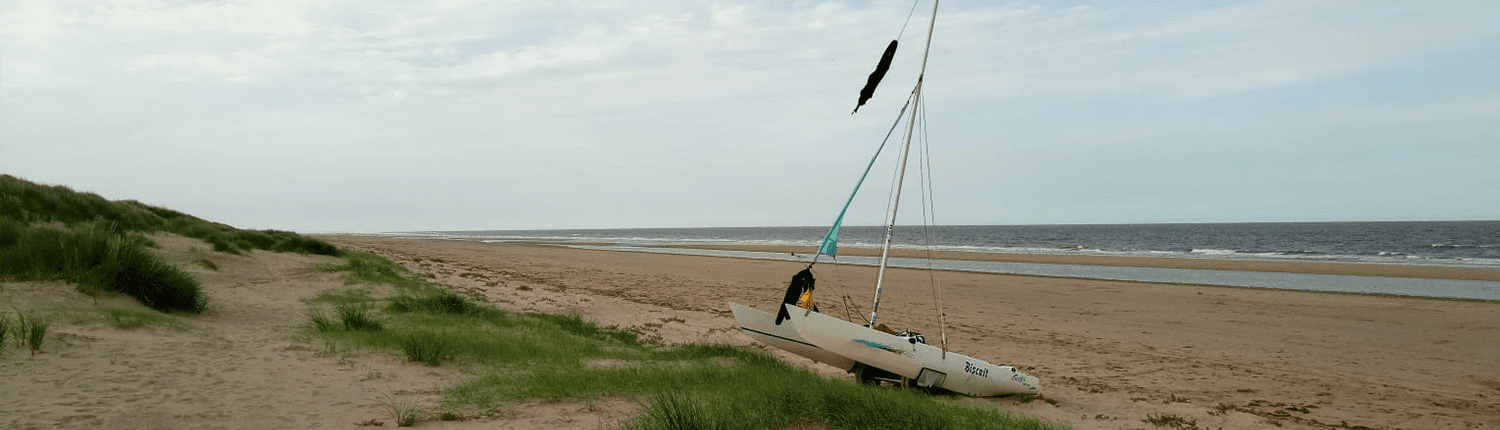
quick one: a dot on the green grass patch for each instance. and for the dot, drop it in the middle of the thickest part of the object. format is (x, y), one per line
(366, 268)
(346, 295)
(440, 302)
(357, 317)
(518, 357)
(574, 324)
(99, 258)
(426, 347)
(1171, 420)
(774, 402)
(137, 318)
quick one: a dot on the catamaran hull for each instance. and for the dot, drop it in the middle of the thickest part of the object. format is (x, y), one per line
(923, 364)
(762, 327)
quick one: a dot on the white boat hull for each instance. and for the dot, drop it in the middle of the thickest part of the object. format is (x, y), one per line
(762, 327)
(925, 365)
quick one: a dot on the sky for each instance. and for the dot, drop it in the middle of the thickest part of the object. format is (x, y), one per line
(378, 116)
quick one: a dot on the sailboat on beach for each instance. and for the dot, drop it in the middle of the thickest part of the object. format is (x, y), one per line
(869, 349)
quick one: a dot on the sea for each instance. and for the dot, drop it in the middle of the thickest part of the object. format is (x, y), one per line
(1417, 243)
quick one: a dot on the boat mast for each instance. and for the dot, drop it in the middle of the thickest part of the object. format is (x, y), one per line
(911, 125)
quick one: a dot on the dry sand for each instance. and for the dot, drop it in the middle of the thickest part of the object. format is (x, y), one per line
(1109, 353)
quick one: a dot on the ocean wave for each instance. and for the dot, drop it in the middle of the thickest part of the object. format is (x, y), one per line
(1192, 242)
(1446, 246)
(1213, 251)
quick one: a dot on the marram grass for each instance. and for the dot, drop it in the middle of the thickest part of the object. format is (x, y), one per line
(30, 203)
(5, 329)
(99, 258)
(31, 330)
(55, 233)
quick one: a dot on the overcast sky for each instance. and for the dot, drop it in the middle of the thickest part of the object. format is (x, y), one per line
(362, 116)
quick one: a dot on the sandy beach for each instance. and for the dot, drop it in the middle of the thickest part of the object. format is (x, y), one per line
(1109, 354)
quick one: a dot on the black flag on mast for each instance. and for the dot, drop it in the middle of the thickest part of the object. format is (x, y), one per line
(875, 77)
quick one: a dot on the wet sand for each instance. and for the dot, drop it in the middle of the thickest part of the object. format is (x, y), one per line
(1311, 267)
(1108, 353)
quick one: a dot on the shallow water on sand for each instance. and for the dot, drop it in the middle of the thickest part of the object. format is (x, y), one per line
(1430, 243)
(1445, 288)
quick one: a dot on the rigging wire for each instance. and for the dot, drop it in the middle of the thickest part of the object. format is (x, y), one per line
(892, 131)
(908, 18)
(893, 198)
(929, 221)
(900, 170)
(849, 311)
(890, 198)
(878, 150)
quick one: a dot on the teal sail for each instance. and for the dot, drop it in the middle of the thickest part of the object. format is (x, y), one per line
(831, 239)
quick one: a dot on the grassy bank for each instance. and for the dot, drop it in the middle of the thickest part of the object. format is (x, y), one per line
(99, 259)
(517, 357)
(55, 233)
(31, 204)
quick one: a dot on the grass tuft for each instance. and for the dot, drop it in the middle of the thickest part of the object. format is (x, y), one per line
(31, 330)
(426, 347)
(5, 328)
(1171, 420)
(677, 411)
(357, 317)
(403, 411)
(321, 321)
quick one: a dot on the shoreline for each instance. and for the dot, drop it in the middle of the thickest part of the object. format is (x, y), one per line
(1307, 267)
(1267, 280)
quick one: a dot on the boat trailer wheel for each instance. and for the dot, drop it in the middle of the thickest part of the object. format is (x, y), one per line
(875, 376)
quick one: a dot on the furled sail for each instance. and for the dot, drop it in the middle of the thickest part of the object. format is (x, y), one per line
(802, 283)
(875, 77)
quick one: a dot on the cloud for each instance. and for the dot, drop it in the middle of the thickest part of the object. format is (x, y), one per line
(1202, 53)
(617, 113)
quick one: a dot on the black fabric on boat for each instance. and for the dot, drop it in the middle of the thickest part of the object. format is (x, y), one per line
(802, 281)
(875, 77)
